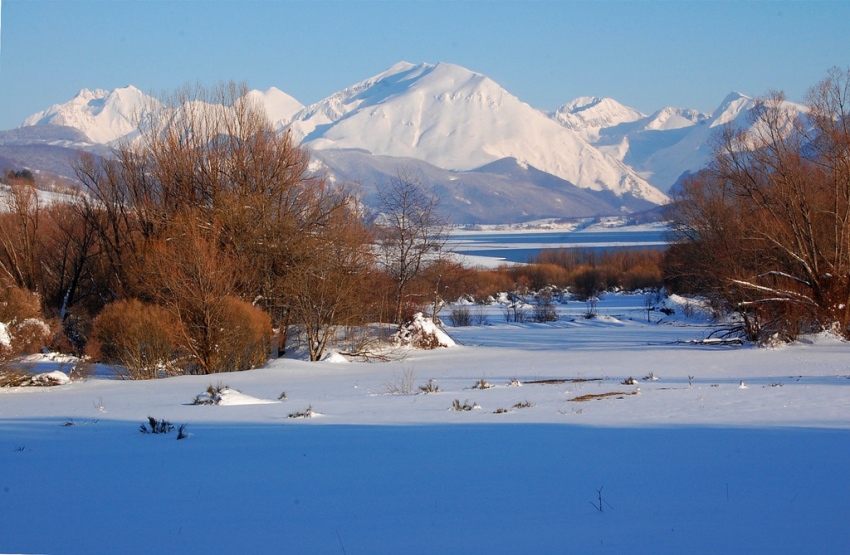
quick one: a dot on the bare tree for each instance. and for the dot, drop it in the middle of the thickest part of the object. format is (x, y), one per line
(212, 152)
(410, 230)
(20, 254)
(207, 203)
(767, 225)
(324, 290)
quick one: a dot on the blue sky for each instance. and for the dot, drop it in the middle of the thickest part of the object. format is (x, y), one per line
(644, 54)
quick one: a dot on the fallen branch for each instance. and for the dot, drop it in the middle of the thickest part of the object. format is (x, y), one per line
(558, 381)
(714, 342)
(592, 396)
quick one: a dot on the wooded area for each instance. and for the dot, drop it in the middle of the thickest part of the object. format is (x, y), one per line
(766, 227)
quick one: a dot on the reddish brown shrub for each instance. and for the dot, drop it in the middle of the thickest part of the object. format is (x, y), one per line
(246, 337)
(140, 338)
(17, 304)
(24, 332)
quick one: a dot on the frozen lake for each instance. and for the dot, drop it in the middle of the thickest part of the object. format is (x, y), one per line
(521, 246)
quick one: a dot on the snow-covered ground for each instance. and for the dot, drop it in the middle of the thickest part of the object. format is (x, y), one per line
(713, 449)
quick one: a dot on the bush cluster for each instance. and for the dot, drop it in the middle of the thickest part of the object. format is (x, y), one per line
(586, 272)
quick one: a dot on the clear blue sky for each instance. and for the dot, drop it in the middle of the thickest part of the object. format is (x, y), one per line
(644, 54)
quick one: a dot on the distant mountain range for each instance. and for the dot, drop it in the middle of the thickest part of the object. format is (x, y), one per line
(491, 157)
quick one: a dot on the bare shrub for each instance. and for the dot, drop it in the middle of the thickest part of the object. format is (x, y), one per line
(479, 318)
(22, 331)
(18, 304)
(16, 377)
(306, 413)
(401, 384)
(11, 377)
(360, 341)
(246, 339)
(460, 315)
(457, 406)
(482, 384)
(545, 309)
(155, 426)
(31, 335)
(212, 396)
(163, 427)
(515, 311)
(138, 337)
(589, 283)
(430, 387)
(426, 341)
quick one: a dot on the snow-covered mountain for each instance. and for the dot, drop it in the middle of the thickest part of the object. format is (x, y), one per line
(106, 116)
(587, 115)
(664, 146)
(457, 119)
(280, 107)
(442, 115)
(103, 116)
(472, 139)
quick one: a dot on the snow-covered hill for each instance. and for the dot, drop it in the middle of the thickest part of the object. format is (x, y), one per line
(498, 193)
(442, 114)
(106, 116)
(661, 147)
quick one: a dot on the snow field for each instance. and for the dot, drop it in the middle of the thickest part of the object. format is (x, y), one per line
(691, 464)
(266, 488)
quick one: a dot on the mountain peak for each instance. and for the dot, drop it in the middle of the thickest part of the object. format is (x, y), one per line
(280, 107)
(581, 103)
(588, 115)
(734, 96)
(402, 66)
(733, 106)
(458, 119)
(86, 95)
(103, 116)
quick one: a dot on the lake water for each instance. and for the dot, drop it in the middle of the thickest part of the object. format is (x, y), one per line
(523, 246)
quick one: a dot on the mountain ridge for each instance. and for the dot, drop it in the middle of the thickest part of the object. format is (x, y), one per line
(451, 118)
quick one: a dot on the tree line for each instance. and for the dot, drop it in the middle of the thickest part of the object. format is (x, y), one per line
(205, 231)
